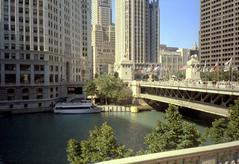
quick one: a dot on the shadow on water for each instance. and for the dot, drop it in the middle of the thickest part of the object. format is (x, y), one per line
(42, 138)
(198, 117)
(191, 115)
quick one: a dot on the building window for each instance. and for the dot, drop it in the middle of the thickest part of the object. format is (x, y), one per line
(39, 97)
(39, 79)
(25, 78)
(56, 78)
(21, 19)
(6, 56)
(39, 90)
(28, 56)
(10, 78)
(38, 67)
(25, 90)
(6, 27)
(25, 67)
(6, 37)
(35, 47)
(25, 97)
(11, 91)
(41, 56)
(10, 67)
(12, 27)
(27, 47)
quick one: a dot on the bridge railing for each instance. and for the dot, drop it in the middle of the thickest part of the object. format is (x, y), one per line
(213, 154)
(233, 86)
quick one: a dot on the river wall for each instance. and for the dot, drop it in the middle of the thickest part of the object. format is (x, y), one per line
(114, 108)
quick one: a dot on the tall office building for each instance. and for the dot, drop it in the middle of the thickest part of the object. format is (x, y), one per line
(44, 51)
(219, 33)
(137, 35)
(103, 37)
(102, 12)
(154, 29)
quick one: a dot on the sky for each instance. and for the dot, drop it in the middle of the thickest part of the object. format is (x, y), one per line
(179, 22)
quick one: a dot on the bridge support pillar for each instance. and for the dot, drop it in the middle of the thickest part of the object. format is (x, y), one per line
(135, 87)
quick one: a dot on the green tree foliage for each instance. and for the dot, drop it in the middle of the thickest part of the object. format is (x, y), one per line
(172, 134)
(90, 88)
(226, 130)
(180, 75)
(100, 146)
(108, 87)
(73, 151)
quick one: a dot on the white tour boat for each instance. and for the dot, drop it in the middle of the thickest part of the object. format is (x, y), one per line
(76, 107)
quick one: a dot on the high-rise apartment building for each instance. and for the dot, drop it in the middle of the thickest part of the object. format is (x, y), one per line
(103, 37)
(219, 32)
(137, 35)
(44, 51)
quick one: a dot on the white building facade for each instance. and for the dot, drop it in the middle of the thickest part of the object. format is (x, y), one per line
(103, 37)
(137, 35)
(44, 49)
(172, 60)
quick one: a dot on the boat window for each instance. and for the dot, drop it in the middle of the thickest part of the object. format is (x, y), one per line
(70, 108)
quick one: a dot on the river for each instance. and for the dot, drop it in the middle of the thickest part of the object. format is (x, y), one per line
(42, 138)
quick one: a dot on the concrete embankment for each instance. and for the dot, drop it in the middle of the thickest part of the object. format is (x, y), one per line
(115, 108)
(25, 111)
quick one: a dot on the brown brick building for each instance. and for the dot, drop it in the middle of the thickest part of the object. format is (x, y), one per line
(219, 32)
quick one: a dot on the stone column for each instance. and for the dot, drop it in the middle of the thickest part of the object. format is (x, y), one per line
(32, 74)
(18, 74)
(2, 74)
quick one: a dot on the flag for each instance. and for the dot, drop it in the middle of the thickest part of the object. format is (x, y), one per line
(156, 69)
(215, 67)
(205, 67)
(228, 65)
(149, 69)
(182, 68)
(143, 70)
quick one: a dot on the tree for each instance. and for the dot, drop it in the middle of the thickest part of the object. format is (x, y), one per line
(116, 74)
(100, 146)
(124, 96)
(180, 75)
(108, 87)
(226, 130)
(172, 134)
(73, 151)
(90, 89)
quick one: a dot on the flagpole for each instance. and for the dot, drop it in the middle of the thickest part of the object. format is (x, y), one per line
(230, 74)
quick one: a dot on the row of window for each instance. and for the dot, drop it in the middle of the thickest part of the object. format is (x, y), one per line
(27, 47)
(35, 2)
(22, 56)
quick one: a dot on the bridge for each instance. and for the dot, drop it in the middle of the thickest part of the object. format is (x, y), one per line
(210, 97)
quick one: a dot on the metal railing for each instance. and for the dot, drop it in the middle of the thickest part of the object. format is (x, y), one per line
(221, 85)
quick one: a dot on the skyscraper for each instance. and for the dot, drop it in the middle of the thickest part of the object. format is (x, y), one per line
(137, 35)
(44, 51)
(103, 37)
(102, 12)
(219, 32)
